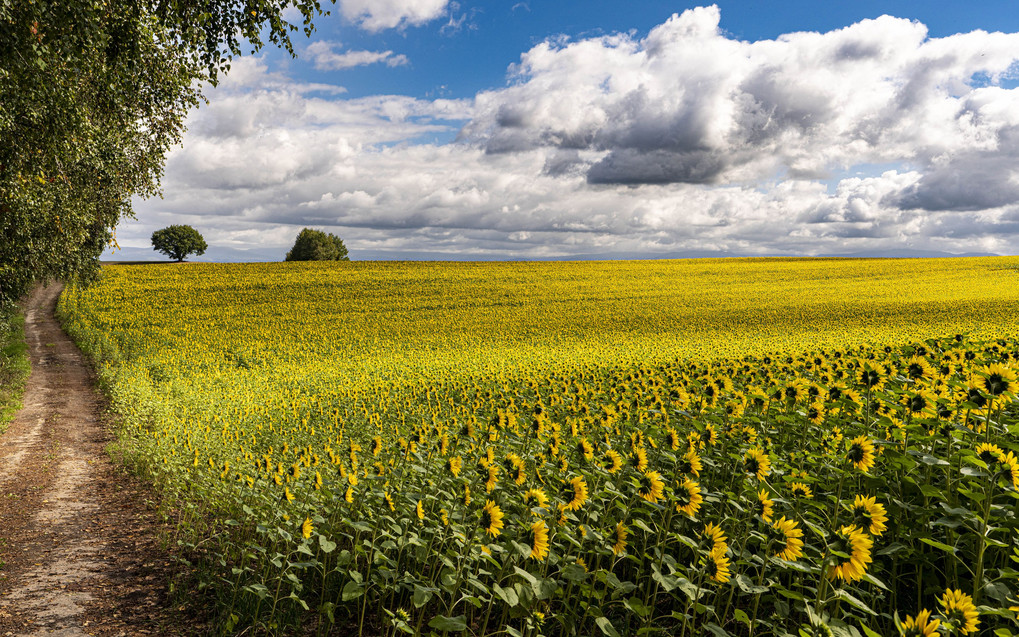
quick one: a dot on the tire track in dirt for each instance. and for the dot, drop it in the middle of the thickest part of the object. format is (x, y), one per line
(79, 548)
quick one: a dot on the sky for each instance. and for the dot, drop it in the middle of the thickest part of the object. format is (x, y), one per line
(441, 129)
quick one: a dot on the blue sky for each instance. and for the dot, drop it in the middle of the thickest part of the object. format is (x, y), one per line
(458, 62)
(540, 129)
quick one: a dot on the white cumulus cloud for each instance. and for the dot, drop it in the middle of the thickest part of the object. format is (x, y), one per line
(870, 138)
(376, 15)
(326, 58)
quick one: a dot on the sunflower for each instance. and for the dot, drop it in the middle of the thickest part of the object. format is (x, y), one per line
(709, 436)
(989, 453)
(794, 391)
(538, 540)
(921, 626)
(535, 499)
(585, 449)
(714, 533)
(444, 517)
(389, 501)
(918, 367)
(1010, 467)
(491, 518)
(613, 461)
(516, 468)
(349, 495)
(493, 477)
(690, 463)
(815, 413)
(576, 491)
(861, 453)
(376, 445)
(621, 533)
(673, 439)
(420, 510)
(857, 545)
(467, 494)
(800, 490)
(919, 403)
(651, 487)
(287, 495)
(974, 394)
(960, 611)
(765, 506)
(757, 463)
(869, 378)
(639, 458)
(717, 566)
(455, 464)
(869, 515)
(307, 528)
(997, 379)
(788, 541)
(688, 497)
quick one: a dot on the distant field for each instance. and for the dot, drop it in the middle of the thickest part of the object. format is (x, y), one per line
(321, 407)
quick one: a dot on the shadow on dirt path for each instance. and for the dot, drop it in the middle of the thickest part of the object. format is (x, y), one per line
(79, 538)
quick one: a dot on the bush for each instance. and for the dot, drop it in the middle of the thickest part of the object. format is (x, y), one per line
(315, 245)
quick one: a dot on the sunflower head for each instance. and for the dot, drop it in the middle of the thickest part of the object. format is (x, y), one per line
(621, 533)
(800, 490)
(715, 537)
(997, 379)
(535, 499)
(575, 493)
(959, 611)
(538, 539)
(861, 453)
(717, 566)
(869, 515)
(989, 453)
(764, 506)
(688, 497)
(613, 461)
(787, 539)
(673, 439)
(757, 463)
(491, 518)
(651, 487)
(920, 626)
(690, 463)
(857, 544)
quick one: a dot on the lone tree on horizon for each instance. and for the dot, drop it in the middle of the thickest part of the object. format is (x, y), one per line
(315, 245)
(177, 242)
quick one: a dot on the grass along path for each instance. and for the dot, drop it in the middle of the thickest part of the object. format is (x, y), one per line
(79, 549)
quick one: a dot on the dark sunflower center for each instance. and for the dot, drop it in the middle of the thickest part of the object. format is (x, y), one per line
(996, 384)
(856, 453)
(870, 377)
(988, 456)
(753, 466)
(974, 396)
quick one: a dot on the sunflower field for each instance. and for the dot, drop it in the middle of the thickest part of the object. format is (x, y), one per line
(716, 447)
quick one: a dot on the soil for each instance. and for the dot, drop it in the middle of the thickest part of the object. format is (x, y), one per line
(82, 542)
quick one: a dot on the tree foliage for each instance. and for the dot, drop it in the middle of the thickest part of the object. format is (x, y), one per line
(93, 93)
(315, 245)
(177, 242)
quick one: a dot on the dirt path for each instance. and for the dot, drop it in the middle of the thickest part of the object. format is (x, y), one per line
(79, 541)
